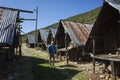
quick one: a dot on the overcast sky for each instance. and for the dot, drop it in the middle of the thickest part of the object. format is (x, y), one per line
(50, 11)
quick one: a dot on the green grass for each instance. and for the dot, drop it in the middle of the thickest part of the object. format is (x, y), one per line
(117, 1)
(87, 17)
(43, 71)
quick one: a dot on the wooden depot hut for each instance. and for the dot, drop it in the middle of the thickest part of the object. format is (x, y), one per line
(51, 35)
(10, 33)
(43, 33)
(104, 39)
(71, 38)
(30, 41)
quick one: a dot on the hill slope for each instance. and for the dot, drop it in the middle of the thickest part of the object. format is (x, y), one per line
(88, 17)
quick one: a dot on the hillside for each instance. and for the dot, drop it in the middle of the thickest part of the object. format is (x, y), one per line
(88, 17)
(117, 1)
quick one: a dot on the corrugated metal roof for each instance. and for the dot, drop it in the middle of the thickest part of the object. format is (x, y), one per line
(114, 4)
(53, 30)
(78, 32)
(44, 34)
(31, 39)
(7, 26)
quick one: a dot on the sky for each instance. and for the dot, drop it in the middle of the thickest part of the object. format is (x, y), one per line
(49, 11)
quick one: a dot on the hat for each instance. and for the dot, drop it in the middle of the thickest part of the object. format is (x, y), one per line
(52, 42)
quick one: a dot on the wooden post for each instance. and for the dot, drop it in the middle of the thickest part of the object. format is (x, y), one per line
(51, 39)
(20, 42)
(83, 51)
(36, 26)
(57, 53)
(93, 55)
(66, 48)
(60, 56)
(113, 70)
(77, 54)
(20, 51)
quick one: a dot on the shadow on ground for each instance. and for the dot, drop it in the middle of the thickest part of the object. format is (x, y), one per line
(68, 66)
(43, 71)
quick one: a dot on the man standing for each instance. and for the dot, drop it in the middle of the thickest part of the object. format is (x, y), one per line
(51, 50)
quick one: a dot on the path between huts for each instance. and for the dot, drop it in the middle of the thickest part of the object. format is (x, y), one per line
(34, 65)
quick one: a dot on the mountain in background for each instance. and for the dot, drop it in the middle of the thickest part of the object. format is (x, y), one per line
(88, 17)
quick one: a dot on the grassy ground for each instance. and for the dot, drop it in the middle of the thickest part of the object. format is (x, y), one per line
(41, 70)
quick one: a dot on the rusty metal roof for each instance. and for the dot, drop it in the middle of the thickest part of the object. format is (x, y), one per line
(7, 25)
(78, 32)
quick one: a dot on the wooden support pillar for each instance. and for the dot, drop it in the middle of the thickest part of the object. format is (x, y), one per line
(51, 38)
(20, 44)
(36, 28)
(60, 56)
(66, 48)
(77, 54)
(83, 51)
(57, 52)
(20, 51)
(93, 55)
(113, 70)
(67, 58)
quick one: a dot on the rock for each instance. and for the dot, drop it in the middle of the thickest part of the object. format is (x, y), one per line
(101, 67)
(102, 76)
(82, 65)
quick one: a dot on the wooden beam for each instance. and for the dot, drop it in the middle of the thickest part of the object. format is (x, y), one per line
(66, 48)
(93, 55)
(27, 19)
(113, 69)
(16, 9)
